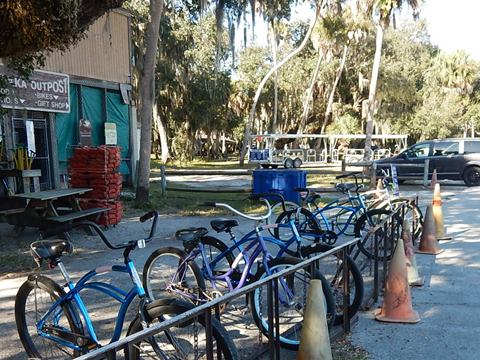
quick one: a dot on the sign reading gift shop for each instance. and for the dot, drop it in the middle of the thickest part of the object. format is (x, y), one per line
(42, 91)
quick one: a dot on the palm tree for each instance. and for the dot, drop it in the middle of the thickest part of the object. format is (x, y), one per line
(384, 10)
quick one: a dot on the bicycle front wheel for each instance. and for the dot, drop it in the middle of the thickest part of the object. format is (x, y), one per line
(167, 272)
(292, 293)
(34, 298)
(331, 267)
(186, 340)
(277, 210)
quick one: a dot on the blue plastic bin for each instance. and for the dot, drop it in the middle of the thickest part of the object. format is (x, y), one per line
(282, 181)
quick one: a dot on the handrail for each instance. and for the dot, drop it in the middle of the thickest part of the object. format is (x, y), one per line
(199, 310)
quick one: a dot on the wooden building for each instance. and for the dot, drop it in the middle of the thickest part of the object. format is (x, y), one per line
(89, 83)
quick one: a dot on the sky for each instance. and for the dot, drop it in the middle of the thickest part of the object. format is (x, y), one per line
(454, 25)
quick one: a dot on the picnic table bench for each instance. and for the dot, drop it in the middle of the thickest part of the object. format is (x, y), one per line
(44, 209)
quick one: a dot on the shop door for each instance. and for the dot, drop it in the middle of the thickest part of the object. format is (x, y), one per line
(31, 132)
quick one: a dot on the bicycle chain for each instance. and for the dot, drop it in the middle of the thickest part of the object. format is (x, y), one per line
(195, 339)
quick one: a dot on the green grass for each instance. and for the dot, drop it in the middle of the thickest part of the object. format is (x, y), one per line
(201, 164)
(188, 203)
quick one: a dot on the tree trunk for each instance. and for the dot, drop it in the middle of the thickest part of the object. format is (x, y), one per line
(147, 96)
(306, 105)
(248, 125)
(162, 135)
(275, 78)
(328, 111)
(373, 92)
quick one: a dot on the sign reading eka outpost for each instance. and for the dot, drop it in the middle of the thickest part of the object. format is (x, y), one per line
(42, 91)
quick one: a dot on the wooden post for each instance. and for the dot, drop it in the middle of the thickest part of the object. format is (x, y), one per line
(425, 172)
(344, 165)
(53, 152)
(164, 180)
(373, 175)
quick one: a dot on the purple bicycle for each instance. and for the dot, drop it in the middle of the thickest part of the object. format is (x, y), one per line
(172, 271)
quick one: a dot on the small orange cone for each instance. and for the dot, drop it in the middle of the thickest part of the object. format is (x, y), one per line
(414, 279)
(438, 214)
(397, 301)
(314, 338)
(434, 179)
(428, 240)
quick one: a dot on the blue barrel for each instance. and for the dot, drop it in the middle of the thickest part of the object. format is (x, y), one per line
(282, 181)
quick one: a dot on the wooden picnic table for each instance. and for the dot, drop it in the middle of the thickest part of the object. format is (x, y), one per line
(46, 208)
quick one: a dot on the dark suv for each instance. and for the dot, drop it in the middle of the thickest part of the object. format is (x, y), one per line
(454, 159)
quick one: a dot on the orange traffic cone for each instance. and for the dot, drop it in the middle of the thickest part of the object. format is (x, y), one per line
(438, 214)
(414, 279)
(314, 338)
(397, 301)
(434, 179)
(428, 240)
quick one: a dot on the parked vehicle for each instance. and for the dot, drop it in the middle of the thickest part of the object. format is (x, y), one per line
(454, 159)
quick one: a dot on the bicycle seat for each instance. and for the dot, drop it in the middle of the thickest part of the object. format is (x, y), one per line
(190, 237)
(220, 225)
(345, 187)
(50, 249)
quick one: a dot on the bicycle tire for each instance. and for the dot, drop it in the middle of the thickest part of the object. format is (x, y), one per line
(336, 283)
(36, 283)
(151, 273)
(159, 309)
(366, 246)
(417, 215)
(277, 210)
(412, 208)
(308, 225)
(255, 302)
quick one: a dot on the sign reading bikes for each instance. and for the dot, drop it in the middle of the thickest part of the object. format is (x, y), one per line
(42, 91)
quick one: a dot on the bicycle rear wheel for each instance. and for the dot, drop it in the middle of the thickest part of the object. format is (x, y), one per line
(166, 273)
(293, 290)
(34, 298)
(305, 222)
(186, 340)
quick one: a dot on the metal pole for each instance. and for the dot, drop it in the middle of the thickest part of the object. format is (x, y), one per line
(208, 332)
(346, 291)
(271, 340)
(277, 319)
(375, 268)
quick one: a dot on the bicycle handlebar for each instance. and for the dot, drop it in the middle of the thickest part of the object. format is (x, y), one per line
(67, 227)
(250, 217)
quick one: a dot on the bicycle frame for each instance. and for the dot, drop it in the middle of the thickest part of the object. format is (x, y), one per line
(255, 247)
(338, 204)
(73, 297)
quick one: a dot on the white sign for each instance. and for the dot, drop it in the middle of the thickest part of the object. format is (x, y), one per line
(110, 133)
(396, 189)
(30, 136)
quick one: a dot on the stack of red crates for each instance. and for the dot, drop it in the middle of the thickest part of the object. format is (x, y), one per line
(97, 168)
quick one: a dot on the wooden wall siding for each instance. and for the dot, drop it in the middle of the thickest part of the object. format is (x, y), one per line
(103, 54)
